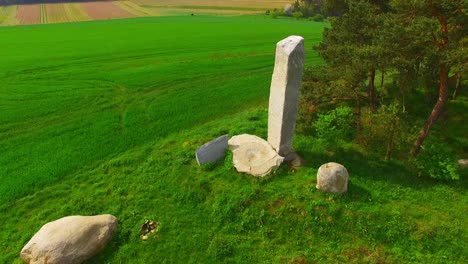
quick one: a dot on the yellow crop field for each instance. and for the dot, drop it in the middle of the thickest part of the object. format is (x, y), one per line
(43, 14)
(75, 13)
(136, 9)
(8, 15)
(56, 13)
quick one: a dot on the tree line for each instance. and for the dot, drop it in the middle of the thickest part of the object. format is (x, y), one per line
(388, 59)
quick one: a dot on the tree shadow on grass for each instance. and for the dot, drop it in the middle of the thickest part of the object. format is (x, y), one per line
(372, 168)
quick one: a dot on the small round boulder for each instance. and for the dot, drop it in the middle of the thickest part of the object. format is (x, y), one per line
(332, 177)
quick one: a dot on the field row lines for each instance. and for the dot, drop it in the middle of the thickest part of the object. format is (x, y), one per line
(69, 12)
(74, 12)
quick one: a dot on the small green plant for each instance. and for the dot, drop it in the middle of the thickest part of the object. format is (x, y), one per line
(221, 248)
(317, 18)
(335, 125)
(275, 14)
(436, 161)
(298, 15)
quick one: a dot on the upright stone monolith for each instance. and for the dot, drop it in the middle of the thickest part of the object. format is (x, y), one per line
(284, 94)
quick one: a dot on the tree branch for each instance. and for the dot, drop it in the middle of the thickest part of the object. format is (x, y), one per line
(443, 25)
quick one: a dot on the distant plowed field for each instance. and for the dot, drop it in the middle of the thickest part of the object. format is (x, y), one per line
(216, 3)
(28, 14)
(73, 12)
(105, 10)
(59, 13)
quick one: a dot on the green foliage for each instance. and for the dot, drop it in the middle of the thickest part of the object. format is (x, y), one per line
(338, 124)
(317, 18)
(386, 131)
(221, 248)
(297, 15)
(437, 161)
(275, 14)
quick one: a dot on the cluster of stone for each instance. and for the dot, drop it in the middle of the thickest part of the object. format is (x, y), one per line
(259, 157)
(254, 155)
(74, 239)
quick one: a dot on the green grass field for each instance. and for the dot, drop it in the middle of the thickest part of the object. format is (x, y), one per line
(105, 117)
(75, 94)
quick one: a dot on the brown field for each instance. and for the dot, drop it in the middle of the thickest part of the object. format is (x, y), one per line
(105, 10)
(28, 14)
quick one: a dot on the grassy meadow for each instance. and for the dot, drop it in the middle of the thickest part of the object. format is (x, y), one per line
(105, 116)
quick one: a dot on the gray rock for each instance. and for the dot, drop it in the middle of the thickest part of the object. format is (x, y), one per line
(253, 155)
(332, 177)
(294, 160)
(284, 93)
(213, 150)
(72, 239)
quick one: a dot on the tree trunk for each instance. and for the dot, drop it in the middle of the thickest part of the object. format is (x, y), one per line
(358, 112)
(382, 78)
(389, 151)
(371, 89)
(435, 114)
(457, 87)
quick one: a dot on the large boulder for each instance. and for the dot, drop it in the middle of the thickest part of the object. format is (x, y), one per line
(332, 177)
(68, 240)
(253, 155)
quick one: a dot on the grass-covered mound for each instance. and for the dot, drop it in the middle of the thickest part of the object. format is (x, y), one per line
(214, 214)
(105, 117)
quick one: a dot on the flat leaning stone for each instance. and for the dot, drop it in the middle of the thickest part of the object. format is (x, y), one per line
(213, 150)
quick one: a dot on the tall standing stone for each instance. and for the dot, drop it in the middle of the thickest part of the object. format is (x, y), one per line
(284, 94)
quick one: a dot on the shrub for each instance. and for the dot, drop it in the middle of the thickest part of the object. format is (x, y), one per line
(437, 161)
(386, 131)
(317, 18)
(298, 15)
(275, 14)
(337, 124)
